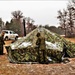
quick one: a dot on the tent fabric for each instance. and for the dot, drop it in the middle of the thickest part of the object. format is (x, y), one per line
(51, 39)
(24, 49)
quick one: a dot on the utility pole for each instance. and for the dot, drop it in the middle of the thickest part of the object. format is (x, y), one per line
(24, 27)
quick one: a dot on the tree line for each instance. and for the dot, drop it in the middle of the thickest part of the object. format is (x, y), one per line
(16, 23)
(67, 19)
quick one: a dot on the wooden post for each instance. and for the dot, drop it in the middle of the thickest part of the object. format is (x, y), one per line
(24, 27)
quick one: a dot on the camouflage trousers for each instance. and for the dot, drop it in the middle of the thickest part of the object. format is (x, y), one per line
(41, 56)
(1, 49)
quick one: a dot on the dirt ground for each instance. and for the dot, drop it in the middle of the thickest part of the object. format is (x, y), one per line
(7, 68)
(71, 39)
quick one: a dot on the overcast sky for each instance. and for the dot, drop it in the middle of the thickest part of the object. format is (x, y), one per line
(43, 12)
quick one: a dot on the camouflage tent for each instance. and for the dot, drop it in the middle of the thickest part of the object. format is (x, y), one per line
(24, 49)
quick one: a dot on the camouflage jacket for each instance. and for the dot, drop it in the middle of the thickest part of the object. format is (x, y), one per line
(41, 43)
(1, 40)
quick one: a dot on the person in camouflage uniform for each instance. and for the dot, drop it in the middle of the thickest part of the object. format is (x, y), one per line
(41, 47)
(1, 43)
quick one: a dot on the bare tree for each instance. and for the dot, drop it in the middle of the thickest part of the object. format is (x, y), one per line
(62, 18)
(17, 15)
(71, 18)
(1, 24)
(30, 23)
(67, 18)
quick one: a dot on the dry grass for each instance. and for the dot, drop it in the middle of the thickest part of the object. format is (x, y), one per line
(71, 39)
(7, 68)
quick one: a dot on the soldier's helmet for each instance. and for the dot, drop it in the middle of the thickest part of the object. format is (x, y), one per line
(38, 34)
